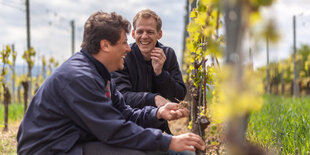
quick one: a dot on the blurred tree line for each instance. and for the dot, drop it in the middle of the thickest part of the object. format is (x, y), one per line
(282, 74)
(15, 87)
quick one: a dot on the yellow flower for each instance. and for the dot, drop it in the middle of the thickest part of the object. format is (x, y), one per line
(190, 125)
(233, 100)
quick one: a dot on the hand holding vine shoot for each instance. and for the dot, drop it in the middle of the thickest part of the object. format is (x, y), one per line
(171, 111)
(160, 101)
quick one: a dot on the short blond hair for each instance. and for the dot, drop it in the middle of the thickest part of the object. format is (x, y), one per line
(147, 13)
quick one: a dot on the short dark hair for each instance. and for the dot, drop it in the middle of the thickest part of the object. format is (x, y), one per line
(100, 26)
(147, 13)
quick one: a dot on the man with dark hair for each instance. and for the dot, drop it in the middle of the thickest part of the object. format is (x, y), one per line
(78, 111)
(151, 72)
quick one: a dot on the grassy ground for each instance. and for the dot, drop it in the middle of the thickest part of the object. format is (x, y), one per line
(282, 124)
(16, 113)
(8, 138)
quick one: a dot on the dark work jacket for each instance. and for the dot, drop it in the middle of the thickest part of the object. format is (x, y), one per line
(71, 108)
(139, 84)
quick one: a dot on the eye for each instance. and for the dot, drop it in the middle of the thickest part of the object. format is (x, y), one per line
(139, 32)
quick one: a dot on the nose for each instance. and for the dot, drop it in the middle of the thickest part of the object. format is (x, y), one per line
(144, 35)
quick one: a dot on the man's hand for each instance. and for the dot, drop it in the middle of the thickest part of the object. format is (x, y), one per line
(171, 111)
(186, 142)
(158, 59)
(160, 101)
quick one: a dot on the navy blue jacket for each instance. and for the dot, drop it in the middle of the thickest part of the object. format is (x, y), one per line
(139, 84)
(71, 108)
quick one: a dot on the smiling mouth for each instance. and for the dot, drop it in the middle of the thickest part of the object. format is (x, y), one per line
(145, 42)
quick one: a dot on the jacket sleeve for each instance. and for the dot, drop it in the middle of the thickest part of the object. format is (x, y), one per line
(170, 82)
(124, 85)
(114, 123)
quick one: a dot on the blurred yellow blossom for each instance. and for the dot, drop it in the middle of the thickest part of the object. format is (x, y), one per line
(232, 100)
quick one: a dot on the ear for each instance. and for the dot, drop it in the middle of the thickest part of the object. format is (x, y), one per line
(104, 45)
(160, 34)
(133, 34)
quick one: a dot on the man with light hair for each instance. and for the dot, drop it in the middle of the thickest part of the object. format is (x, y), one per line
(151, 74)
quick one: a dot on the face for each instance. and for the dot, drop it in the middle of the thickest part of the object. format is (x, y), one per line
(118, 53)
(146, 36)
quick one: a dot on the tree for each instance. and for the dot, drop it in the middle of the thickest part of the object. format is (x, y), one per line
(5, 53)
(28, 56)
(53, 63)
(13, 76)
(203, 41)
(236, 89)
(43, 67)
(245, 91)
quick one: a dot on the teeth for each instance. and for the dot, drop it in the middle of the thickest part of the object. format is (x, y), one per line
(123, 57)
(144, 42)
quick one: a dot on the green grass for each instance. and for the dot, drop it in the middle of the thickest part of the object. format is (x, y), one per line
(16, 113)
(282, 124)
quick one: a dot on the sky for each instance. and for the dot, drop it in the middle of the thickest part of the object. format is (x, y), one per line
(282, 12)
(51, 30)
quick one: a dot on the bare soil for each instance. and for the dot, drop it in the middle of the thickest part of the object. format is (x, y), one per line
(8, 141)
(214, 135)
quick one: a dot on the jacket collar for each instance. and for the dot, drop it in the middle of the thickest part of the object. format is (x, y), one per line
(137, 52)
(101, 69)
